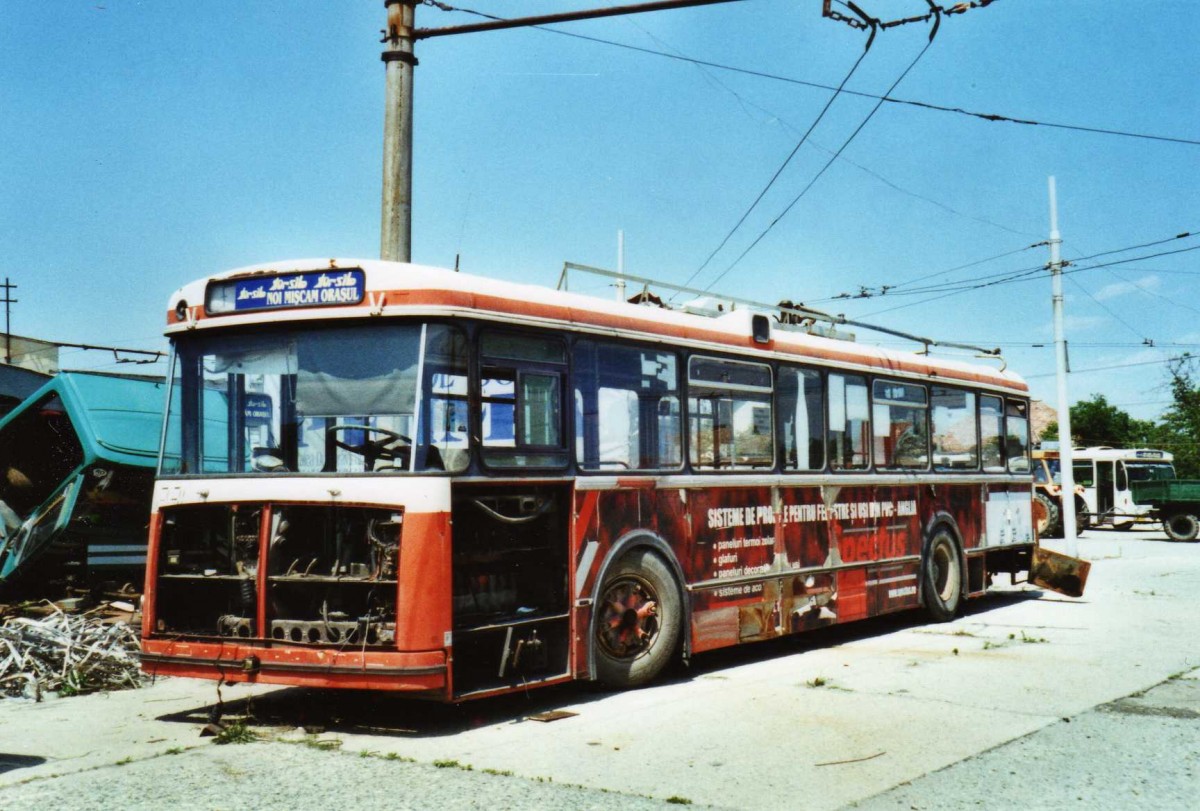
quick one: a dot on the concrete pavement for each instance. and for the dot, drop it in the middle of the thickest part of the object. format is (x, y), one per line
(826, 719)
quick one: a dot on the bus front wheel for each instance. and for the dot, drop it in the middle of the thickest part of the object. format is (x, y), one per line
(942, 577)
(1183, 526)
(638, 619)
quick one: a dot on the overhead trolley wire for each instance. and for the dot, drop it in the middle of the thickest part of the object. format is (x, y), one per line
(925, 105)
(846, 143)
(786, 161)
(1146, 339)
(1025, 274)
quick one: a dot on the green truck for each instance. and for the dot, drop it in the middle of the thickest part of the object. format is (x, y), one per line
(1175, 502)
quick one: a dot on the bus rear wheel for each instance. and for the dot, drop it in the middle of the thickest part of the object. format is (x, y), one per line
(1182, 526)
(638, 619)
(942, 577)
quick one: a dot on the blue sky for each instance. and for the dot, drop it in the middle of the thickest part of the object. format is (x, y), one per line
(144, 144)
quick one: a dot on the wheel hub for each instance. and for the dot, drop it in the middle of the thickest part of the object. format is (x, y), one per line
(628, 625)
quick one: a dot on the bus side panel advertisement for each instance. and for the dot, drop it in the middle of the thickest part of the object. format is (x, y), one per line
(963, 504)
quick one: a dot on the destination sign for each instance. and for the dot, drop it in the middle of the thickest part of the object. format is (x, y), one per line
(320, 288)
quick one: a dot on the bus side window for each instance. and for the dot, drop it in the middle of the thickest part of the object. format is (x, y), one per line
(1084, 474)
(991, 433)
(849, 423)
(521, 412)
(1017, 440)
(626, 408)
(729, 414)
(955, 433)
(901, 425)
(801, 418)
(1122, 477)
(445, 444)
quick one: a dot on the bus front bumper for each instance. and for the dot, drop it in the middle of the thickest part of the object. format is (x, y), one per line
(422, 672)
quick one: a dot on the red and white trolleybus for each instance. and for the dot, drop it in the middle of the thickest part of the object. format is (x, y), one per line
(380, 475)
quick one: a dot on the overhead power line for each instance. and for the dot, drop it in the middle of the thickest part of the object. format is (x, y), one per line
(832, 158)
(1021, 275)
(786, 161)
(1113, 366)
(924, 105)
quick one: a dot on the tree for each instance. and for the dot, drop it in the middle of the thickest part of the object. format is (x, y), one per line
(1179, 431)
(1096, 422)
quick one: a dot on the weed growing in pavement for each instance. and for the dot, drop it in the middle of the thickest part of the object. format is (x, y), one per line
(175, 750)
(324, 744)
(498, 772)
(237, 732)
(677, 800)
(1032, 640)
(816, 682)
(989, 644)
(453, 764)
(124, 761)
(399, 757)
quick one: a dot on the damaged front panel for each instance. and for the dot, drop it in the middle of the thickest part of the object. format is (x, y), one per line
(298, 574)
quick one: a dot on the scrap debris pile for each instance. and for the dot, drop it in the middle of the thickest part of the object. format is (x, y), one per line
(67, 654)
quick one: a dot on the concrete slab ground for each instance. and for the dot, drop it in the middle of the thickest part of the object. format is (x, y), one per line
(882, 713)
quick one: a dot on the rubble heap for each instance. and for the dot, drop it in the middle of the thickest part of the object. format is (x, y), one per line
(66, 654)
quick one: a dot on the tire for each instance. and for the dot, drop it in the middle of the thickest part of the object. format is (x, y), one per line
(1183, 526)
(1081, 517)
(941, 577)
(1049, 518)
(637, 620)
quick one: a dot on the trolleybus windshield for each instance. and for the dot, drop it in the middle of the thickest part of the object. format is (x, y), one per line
(345, 399)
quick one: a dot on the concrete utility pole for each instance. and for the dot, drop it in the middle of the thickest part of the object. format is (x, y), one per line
(399, 36)
(1066, 457)
(396, 230)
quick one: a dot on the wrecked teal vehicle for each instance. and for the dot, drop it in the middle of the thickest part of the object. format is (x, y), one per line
(77, 463)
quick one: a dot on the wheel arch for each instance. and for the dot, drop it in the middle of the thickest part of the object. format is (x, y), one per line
(943, 520)
(639, 539)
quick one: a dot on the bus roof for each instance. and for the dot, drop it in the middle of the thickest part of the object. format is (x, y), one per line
(1105, 453)
(393, 288)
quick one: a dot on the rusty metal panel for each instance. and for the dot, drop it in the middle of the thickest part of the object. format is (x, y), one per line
(1059, 572)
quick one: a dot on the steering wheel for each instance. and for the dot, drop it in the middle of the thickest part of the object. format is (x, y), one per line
(371, 449)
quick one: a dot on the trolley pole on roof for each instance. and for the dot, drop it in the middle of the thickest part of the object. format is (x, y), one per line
(399, 62)
(1065, 453)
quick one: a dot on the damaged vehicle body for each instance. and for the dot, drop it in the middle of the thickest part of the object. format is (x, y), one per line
(77, 461)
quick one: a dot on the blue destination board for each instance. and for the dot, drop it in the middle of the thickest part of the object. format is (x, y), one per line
(259, 409)
(308, 289)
